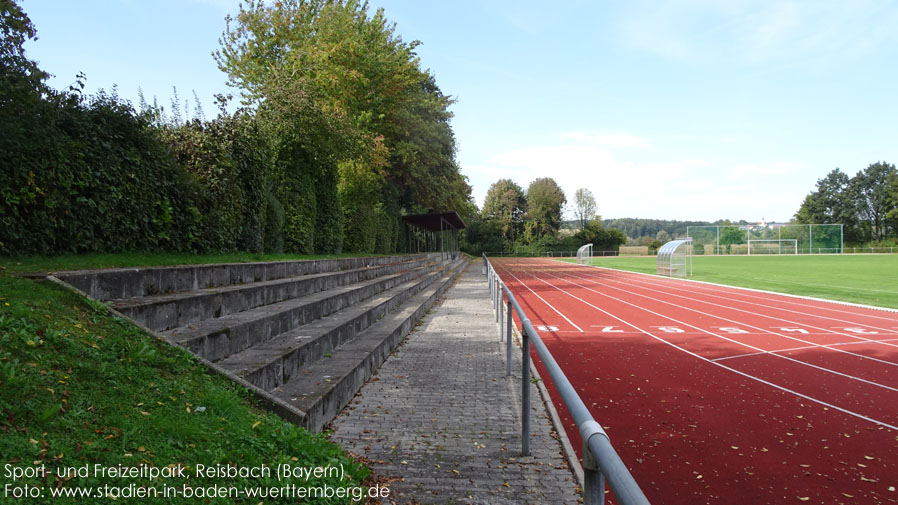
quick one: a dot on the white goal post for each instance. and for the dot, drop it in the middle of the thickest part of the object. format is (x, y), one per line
(778, 246)
(584, 255)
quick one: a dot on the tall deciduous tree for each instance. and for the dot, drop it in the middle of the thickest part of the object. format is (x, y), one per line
(358, 73)
(505, 206)
(584, 206)
(545, 199)
(870, 188)
(832, 202)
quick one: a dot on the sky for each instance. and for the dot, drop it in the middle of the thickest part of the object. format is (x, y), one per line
(689, 110)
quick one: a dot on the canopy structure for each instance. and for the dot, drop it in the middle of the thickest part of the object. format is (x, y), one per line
(434, 232)
(675, 258)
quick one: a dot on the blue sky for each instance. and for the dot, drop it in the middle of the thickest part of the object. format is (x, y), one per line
(694, 109)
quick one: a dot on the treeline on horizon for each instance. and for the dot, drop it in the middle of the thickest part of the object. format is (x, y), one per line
(339, 134)
(530, 222)
(866, 205)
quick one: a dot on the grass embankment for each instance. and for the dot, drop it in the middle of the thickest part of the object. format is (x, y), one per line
(865, 279)
(30, 264)
(80, 387)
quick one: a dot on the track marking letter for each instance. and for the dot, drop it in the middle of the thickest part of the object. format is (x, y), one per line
(547, 328)
(611, 329)
(669, 329)
(861, 331)
(732, 330)
(794, 330)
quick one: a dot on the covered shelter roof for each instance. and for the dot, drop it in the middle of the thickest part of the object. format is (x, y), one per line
(433, 222)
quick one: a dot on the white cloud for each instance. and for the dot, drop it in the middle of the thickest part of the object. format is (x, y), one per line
(651, 186)
(811, 33)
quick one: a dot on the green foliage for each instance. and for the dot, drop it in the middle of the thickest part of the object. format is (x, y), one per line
(545, 200)
(730, 235)
(505, 206)
(866, 204)
(584, 206)
(332, 85)
(601, 238)
(354, 89)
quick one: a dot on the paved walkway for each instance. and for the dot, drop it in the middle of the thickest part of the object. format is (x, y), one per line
(441, 416)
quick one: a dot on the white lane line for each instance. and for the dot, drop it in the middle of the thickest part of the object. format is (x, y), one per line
(822, 303)
(744, 374)
(758, 349)
(805, 348)
(742, 323)
(829, 331)
(718, 292)
(544, 301)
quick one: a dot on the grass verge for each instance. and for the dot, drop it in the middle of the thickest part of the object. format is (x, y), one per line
(85, 390)
(864, 279)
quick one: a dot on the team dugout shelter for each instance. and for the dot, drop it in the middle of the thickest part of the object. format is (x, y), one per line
(435, 232)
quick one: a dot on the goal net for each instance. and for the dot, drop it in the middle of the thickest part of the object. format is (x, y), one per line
(584, 254)
(748, 238)
(773, 246)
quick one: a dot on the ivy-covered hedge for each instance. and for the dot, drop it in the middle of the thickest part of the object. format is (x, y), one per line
(100, 177)
(93, 176)
(327, 155)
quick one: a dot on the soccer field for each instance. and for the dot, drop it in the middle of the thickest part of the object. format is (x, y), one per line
(866, 279)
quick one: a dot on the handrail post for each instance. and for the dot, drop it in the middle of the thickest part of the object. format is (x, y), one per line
(525, 392)
(508, 340)
(498, 300)
(501, 326)
(593, 479)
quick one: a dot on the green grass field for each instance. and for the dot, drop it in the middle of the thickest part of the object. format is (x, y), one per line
(866, 279)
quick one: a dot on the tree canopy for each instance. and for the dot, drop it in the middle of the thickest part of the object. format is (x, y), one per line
(341, 133)
(505, 205)
(866, 204)
(584, 206)
(545, 201)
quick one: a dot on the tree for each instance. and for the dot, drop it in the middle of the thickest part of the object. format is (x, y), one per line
(545, 200)
(832, 202)
(730, 235)
(505, 206)
(356, 105)
(601, 238)
(584, 206)
(871, 192)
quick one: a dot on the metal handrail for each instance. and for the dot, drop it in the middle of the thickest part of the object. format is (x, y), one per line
(600, 461)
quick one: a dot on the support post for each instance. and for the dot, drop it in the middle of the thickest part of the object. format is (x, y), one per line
(501, 326)
(508, 340)
(593, 479)
(525, 393)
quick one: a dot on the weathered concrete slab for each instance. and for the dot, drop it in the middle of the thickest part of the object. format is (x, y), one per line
(322, 389)
(167, 311)
(216, 339)
(272, 363)
(119, 283)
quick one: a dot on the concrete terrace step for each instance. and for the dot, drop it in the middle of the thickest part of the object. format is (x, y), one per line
(215, 339)
(166, 311)
(324, 388)
(120, 283)
(272, 363)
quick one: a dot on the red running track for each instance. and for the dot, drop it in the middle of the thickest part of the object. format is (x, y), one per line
(722, 395)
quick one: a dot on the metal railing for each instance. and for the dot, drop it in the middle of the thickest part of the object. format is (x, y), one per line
(600, 461)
